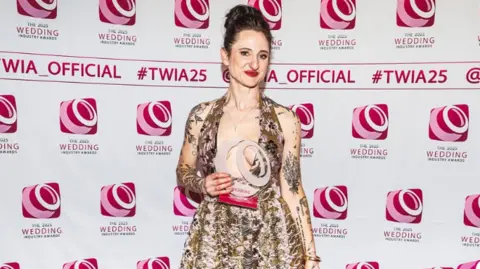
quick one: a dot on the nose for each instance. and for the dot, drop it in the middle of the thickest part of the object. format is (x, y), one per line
(254, 63)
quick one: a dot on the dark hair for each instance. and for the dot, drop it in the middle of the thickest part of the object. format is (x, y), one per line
(244, 17)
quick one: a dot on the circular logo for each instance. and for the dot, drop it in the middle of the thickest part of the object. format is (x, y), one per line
(247, 163)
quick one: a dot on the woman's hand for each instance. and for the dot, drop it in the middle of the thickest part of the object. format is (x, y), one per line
(218, 183)
(312, 265)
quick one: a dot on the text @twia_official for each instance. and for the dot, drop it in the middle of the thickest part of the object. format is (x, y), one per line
(66, 69)
(306, 76)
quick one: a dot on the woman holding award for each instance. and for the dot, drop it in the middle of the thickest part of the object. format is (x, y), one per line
(242, 152)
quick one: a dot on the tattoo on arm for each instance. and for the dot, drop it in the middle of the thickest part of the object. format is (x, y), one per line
(300, 227)
(292, 173)
(305, 210)
(189, 178)
(194, 119)
(186, 171)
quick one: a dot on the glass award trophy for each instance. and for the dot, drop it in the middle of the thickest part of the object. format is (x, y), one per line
(249, 167)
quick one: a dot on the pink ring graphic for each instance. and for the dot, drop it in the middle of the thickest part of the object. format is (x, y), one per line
(338, 210)
(11, 118)
(35, 12)
(179, 203)
(108, 206)
(310, 119)
(409, 20)
(201, 18)
(331, 22)
(442, 134)
(472, 216)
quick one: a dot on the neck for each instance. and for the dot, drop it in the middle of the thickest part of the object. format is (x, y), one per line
(242, 97)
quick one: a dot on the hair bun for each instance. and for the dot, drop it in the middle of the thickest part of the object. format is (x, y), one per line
(241, 13)
(243, 17)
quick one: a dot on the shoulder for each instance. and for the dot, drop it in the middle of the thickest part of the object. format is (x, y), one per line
(200, 110)
(288, 119)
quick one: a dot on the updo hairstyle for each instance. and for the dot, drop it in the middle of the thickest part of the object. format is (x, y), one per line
(244, 17)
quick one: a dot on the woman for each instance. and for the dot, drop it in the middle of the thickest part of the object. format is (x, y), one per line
(278, 233)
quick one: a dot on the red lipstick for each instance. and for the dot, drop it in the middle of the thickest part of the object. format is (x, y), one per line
(251, 73)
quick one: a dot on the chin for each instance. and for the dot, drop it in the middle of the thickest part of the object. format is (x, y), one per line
(249, 82)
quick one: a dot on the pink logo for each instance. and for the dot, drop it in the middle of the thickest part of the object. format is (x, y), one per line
(45, 9)
(471, 215)
(154, 263)
(271, 10)
(10, 265)
(8, 114)
(370, 122)
(82, 264)
(338, 14)
(331, 203)
(194, 14)
(363, 265)
(185, 202)
(41, 201)
(415, 13)
(306, 114)
(405, 206)
(449, 123)
(470, 265)
(122, 12)
(154, 118)
(79, 116)
(118, 200)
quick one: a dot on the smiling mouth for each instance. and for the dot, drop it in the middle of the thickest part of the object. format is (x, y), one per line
(251, 73)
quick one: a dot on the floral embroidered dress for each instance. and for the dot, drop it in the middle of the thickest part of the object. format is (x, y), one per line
(222, 236)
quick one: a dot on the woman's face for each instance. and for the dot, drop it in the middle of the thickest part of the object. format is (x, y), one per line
(249, 58)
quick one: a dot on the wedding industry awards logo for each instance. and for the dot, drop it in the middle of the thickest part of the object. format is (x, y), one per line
(10, 265)
(8, 125)
(448, 132)
(79, 122)
(154, 263)
(338, 20)
(330, 208)
(118, 204)
(185, 204)
(89, 263)
(370, 125)
(414, 18)
(39, 17)
(118, 18)
(154, 127)
(272, 11)
(193, 16)
(404, 210)
(306, 115)
(471, 220)
(41, 209)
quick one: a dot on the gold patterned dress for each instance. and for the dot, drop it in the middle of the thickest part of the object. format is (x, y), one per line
(228, 237)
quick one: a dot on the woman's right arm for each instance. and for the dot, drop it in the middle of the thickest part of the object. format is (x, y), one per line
(186, 167)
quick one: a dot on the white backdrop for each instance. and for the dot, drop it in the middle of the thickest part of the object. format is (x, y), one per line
(387, 91)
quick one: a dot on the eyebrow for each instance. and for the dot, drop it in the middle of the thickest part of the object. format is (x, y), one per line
(251, 50)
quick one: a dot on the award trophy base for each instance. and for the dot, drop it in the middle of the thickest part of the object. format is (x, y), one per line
(247, 202)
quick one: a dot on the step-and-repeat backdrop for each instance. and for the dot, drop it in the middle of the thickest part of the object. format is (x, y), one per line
(94, 95)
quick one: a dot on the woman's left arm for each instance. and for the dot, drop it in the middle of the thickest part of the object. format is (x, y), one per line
(291, 180)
